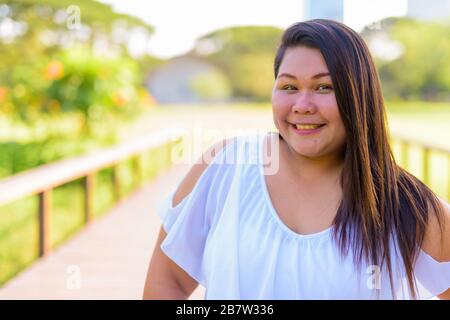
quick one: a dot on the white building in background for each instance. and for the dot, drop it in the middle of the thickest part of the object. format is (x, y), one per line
(323, 9)
(429, 9)
(174, 82)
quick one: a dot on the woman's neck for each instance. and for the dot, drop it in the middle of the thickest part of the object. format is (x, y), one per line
(311, 169)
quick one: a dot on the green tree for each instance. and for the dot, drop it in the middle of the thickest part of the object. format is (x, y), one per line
(47, 64)
(44, 27)
(422, 71)
(211, 85)
(246, 55)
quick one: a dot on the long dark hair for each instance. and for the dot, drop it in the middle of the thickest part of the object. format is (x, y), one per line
(381, 201)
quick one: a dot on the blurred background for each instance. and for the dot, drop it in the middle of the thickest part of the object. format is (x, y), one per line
(89, 88)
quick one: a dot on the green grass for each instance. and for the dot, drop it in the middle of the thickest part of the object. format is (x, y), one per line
(420, 121)
(19, 223)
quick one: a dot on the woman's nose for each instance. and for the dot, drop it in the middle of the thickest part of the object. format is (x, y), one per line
(304, 103)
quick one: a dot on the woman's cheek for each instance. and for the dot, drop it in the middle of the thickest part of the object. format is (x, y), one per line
(279, 110)
(280, 100)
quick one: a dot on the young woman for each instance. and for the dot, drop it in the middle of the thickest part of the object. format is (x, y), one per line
(337, 219)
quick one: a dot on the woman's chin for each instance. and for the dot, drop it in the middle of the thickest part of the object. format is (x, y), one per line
(306, 151)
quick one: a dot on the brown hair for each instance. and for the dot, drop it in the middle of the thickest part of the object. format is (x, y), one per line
(381, 201)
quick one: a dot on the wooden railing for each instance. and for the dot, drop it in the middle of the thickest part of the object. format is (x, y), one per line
(427, 150)
(44, 179)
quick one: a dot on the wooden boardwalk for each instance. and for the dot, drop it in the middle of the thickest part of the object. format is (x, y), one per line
(106, 260)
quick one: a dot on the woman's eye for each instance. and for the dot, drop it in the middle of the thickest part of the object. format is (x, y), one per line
(324, 88)
(289, 87)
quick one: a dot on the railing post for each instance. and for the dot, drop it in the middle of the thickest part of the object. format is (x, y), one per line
(116, 182)
(45, 207)
(138, 170)
(426, 165)
(177, 152)
(88, 186)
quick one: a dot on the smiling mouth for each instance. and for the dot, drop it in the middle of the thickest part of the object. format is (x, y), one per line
(307, 126)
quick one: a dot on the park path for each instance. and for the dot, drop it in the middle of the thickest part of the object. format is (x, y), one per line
(106, 260)
(109, 258)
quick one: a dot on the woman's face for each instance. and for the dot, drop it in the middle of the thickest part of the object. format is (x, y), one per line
(304, 105)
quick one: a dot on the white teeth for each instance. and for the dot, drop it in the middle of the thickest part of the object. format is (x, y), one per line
(307, 126)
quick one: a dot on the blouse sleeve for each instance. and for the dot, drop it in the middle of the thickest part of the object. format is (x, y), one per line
(188, 223)
(433, 276)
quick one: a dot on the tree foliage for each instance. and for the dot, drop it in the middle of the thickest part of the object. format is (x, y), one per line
(246, 56)
(62, 56)
(422, 70)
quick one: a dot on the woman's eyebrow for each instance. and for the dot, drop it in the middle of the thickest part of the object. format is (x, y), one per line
(320, 75)
(316, 76)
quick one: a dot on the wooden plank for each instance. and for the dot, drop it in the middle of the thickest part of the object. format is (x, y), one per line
(116, 183)
(89, 187)
(422, 143)
(138, 171)
(45, 207)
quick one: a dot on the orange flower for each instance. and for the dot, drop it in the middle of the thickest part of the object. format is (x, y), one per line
(3, 94)
(119, 99)
(54, 70)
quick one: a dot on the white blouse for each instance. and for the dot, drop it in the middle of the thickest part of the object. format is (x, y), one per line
(227, 235)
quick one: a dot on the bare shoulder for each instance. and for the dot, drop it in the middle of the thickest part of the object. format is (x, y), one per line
(191, 178)
(437, 241)
(165, 279)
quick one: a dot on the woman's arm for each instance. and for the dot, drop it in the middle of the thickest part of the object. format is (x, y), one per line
(165, 279)
(436, 243)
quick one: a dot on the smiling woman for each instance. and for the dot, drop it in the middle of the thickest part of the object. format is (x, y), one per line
(334, 218)
(304, 104)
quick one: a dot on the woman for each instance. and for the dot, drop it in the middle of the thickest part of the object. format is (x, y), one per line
(338, 219)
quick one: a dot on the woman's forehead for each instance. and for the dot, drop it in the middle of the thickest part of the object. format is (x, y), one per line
(303, 64)
(303, 61)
